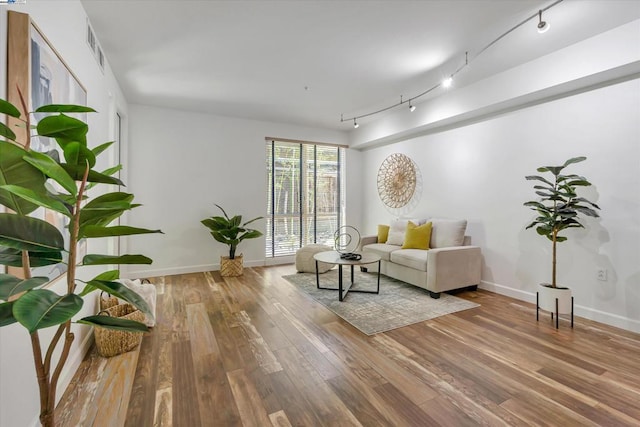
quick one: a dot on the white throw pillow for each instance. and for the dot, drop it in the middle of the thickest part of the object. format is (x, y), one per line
(447, 232)
(398, 229)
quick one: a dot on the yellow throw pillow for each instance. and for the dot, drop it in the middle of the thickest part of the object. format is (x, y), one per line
(383, 233)
(417, 236)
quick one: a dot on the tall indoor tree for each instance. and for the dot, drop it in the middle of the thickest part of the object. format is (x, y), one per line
(26, 241)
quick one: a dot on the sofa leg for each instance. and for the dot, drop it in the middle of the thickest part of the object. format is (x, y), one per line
(364, 269)
(434, 295)
(473, 288)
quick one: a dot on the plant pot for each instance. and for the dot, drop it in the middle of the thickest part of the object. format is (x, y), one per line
(547, 296)
(231, 267)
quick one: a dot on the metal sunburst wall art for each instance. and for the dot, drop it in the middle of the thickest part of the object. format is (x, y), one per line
(399, 183)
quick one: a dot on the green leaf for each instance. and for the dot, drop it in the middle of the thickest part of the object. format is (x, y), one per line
(100, 148)
(574, 160)
(64, 128)
(11, 285)
(64, 108)
(116, 323)
(110, 276)
(42, 308)
(31, 234)
(9, 109)
(105, 208)
(112, 259)
(119, 230)
(43, 200)
(14, 170)
(78, 154)
(13, 258)
(6, 132)
(77, 173)
(6, 314)
(50, 168)
(119, 290)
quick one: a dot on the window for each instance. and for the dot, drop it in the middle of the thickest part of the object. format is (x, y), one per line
(305, 195)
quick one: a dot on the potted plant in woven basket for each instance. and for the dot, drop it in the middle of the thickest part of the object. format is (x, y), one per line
(558, 209)
(230, 231)
(27, 241)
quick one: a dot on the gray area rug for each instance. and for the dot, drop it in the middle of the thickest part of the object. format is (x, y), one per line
(398, 304)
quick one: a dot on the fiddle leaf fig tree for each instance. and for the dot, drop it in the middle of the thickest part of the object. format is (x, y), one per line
(559, 207)
(27, 241)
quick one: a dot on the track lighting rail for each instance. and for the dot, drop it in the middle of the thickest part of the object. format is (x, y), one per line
(542, 27)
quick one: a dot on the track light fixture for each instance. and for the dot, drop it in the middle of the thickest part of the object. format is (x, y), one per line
(543, 26)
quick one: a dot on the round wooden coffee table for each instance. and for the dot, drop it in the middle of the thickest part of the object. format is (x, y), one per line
(333, 257)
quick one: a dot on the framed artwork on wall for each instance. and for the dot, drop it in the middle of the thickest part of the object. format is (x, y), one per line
(42, 76)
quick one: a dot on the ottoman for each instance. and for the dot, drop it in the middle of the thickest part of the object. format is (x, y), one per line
(305, 262)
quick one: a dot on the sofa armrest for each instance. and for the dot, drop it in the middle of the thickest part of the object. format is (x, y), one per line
(453, 267)
(368, 240)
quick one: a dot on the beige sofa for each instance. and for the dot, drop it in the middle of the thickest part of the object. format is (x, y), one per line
(449, 263)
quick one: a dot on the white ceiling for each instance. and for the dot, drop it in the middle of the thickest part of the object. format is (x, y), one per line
(308, 62)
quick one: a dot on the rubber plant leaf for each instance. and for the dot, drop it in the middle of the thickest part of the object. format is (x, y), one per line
(114, 259)
(9, 109)
(11, 285)
(118, 230)
(77, 173)
(100, 148)
(42, 308)
(116, 323)
(29, 234)
(110, 276)
(53, 170)
(13, 258)
(78, 154)
(15, 171)
(39, 199)
(119, 290)
(7, 132)
(6, 314)
(64, 108)
(63, 127)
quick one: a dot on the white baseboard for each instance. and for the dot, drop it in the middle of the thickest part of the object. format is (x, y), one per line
(582, 311)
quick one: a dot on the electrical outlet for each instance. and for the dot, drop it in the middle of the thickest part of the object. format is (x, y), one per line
(602, 275)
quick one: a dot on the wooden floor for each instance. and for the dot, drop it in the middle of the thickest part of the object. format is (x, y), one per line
(254, 351)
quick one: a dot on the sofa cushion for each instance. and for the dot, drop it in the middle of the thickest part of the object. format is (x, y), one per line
(412, 258)
(383, 233)
(382, 249)
(447, 232)
(398, 229)
(417, 236)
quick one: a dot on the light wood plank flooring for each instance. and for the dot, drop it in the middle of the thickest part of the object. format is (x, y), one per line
(254, 351)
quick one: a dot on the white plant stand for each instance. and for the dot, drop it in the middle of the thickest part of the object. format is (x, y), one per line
(554, 300)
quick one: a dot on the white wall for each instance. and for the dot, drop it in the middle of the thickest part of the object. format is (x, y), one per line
(185, 162)
(63, 23)
(477, 172)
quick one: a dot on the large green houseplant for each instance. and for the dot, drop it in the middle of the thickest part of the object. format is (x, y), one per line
(559, 208)
(230, 231)
(27, 241)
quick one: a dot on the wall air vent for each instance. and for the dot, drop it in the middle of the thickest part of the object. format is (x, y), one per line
(96, 50)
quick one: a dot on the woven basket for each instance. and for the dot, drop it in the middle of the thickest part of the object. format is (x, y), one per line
(111, 342)
(107, 301)
(231, 267)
